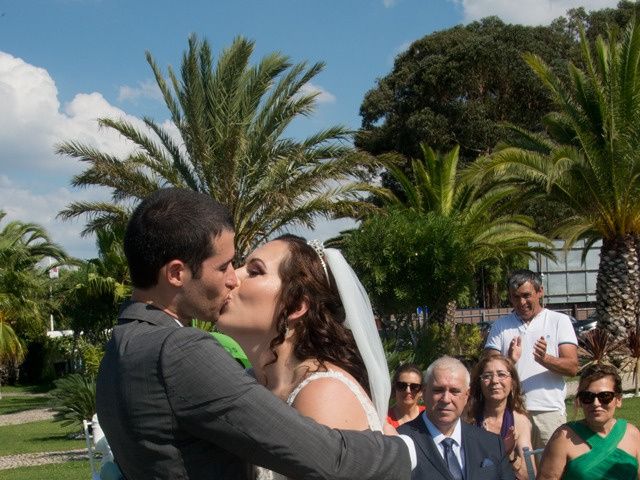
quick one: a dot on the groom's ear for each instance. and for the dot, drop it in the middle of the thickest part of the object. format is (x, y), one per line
(174, 273)
(300, 311)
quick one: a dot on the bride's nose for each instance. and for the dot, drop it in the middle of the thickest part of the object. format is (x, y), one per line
(241, 274)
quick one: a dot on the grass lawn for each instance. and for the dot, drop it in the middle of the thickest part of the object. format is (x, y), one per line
(630, 411)
(22, 403)
(45, 436)
(79, 470)
(39, 388)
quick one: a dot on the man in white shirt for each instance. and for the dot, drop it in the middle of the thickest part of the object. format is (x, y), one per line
(543, 345)
(447, 448)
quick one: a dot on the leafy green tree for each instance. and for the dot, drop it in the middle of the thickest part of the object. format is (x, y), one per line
(230, 120)
(589, 163)
(408, 258)
(597, 22)
(450, 228)
(457, 86)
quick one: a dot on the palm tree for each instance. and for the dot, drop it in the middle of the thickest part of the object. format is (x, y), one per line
(12, 350)
(230, 120)
(590, 163)
(24, 302)
(91, 294)
(491, 233)
(23, 278)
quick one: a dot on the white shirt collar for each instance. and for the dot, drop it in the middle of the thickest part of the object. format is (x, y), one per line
(438, 436)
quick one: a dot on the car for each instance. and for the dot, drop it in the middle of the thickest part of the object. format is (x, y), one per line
(582, 326)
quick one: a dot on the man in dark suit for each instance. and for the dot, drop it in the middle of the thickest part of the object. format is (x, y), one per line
(172, 403)
(447, 448)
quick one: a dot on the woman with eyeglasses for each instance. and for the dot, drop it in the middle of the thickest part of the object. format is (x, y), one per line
(496, 404)
(600, 446)
(407, 386)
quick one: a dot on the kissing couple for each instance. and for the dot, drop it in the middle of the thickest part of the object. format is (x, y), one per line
(173, 404)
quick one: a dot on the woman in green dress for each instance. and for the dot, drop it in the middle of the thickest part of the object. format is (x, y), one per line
(600, 446)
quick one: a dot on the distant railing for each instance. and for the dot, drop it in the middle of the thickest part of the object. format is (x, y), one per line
(477, 315)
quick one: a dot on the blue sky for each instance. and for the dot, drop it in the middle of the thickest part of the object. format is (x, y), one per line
(64, 63)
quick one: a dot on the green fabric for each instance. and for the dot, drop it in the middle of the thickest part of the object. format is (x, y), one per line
(231, 346)
(605, 460)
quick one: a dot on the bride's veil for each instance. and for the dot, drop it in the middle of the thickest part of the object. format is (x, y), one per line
(359, 319)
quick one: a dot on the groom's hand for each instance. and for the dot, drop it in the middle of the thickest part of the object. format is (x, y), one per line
(388, 429)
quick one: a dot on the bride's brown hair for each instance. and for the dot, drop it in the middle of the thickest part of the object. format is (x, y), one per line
(320, 333)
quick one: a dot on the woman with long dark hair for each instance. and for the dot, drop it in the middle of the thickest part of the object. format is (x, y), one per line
(306, 324)
(496, 404)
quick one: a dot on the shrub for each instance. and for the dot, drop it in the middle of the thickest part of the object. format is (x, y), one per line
(74, 399)
(598, 346)
(463, 341)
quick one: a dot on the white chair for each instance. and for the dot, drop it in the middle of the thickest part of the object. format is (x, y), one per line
(93, 459)
(100, 456)
(529, 456)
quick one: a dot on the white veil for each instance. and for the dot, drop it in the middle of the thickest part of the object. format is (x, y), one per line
(359, 319)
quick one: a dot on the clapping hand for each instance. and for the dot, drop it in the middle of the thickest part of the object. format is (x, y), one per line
(540, 350)
(515, 349)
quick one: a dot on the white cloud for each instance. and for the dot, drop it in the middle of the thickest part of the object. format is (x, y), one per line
(147, 89)
(526, 12)
(389, 3)
(34, 185)
(323, 96)
(20, 202)
(33, 121)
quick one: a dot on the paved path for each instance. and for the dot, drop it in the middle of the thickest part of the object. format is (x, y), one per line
(41, 458)
(22, 394)
(26, 416)
(38, 458)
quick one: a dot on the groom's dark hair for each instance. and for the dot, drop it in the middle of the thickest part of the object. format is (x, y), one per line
(172, 224)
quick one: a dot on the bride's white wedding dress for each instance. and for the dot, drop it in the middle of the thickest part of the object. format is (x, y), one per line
(372, 416)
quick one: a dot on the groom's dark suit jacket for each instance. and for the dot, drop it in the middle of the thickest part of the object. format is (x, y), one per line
(484, 455)
(174, 405)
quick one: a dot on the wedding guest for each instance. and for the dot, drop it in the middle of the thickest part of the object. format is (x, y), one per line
(544, 348)
(599, 447)
(448, 448)
(407, 386)
(496, 404)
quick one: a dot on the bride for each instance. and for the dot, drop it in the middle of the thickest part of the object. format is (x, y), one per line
(306, 324)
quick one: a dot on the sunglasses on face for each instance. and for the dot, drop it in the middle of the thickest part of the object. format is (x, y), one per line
(402, 387)
(588, 397)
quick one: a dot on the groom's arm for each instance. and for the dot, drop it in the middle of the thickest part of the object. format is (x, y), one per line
(215, 400)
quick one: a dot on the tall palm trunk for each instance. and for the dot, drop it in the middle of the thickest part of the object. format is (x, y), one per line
(444, 314)
(618, 285)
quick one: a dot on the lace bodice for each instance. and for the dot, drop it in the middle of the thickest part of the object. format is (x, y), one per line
(373, 420)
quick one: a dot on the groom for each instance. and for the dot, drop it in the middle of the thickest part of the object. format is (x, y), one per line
(172, 403)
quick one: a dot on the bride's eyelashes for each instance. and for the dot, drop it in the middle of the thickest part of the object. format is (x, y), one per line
(255, 268)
